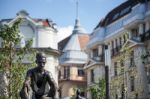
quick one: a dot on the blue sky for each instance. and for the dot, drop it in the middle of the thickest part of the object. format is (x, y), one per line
(62, 12)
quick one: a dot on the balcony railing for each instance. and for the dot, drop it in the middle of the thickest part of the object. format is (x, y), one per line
(145, 36)
(99, 58)
(72, 77)
(115, 51)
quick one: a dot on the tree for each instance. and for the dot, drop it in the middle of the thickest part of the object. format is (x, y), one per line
(11, 59)
(98, 91)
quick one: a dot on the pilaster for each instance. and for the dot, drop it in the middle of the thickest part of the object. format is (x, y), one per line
(141, 72)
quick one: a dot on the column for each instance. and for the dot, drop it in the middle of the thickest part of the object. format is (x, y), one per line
(147, 26)
(141, 29)
(114, 43)
(118, 42)
(91, 53)
(142, 80)
(115, 46)
(111, 48)
(130, 34)
(100, 50)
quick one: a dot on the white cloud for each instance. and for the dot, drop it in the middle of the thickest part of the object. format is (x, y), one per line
(64, 32)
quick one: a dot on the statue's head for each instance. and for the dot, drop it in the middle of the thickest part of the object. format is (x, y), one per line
(41, 59)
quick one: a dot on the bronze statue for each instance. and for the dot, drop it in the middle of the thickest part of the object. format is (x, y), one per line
(38, 83)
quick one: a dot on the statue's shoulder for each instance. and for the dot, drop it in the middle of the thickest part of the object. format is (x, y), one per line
(48, 73)
(31, 71)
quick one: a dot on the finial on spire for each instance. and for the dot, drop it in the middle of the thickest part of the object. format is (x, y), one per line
(77, 9)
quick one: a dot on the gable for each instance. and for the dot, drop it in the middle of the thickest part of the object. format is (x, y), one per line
(130, 43)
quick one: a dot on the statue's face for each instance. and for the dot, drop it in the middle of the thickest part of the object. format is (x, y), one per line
(41, 61)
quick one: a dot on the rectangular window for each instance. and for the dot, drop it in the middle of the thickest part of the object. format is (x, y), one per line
(124, 38)
(59, 75)
(122, 66)
(2, 44)
(144, 28)
(80, 72)
(132, 83)
(120, 41)
(112, 49)
(112, 43)
(92, 75)
(115, 69)
(147, 69)
(95, 52)
(132, 59)
(116, 43)
(116, 96)
(122, 91)
(134, 33)
(66, 72)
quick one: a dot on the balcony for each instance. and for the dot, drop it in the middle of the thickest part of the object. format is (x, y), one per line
(147, 14)
(99, 58)
(145, 36)
(72, 77)
(135, 17)
(115, 51)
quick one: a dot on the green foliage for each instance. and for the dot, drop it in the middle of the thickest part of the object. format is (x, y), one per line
(11, 58)
(98, 90)
(145, 56)
(75, 90)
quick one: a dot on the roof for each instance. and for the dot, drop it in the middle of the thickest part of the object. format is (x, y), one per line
(83, 40)
(63, 43)
(73, 46)
(24, 14)
(119, 12)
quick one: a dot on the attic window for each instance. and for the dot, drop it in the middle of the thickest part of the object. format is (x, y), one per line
(124, 11)
(115, 16)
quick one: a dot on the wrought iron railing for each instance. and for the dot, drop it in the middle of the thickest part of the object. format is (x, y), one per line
(115, 51)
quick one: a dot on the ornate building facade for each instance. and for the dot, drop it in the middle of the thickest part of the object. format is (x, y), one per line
(126, 32)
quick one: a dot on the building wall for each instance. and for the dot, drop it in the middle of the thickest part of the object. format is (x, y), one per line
(99, 73)
(47, 38)
(42, 36)
(72, 81)
(125, 34)
(69, 88)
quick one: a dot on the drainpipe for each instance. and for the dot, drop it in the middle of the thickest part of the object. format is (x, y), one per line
(106, 73)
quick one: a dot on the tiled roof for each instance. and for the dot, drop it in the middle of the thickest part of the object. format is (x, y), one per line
(45, 23)
(83, 40)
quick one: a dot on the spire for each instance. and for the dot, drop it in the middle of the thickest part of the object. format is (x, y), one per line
(77, 26)
(77, 10)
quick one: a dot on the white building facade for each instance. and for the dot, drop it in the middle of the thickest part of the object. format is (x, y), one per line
(125, 31)
(44, 36)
